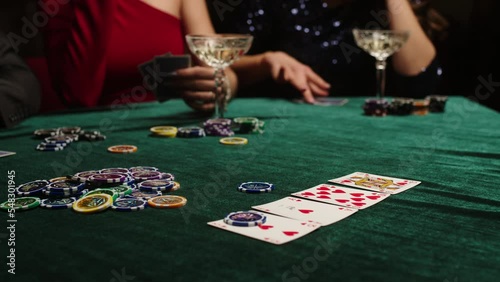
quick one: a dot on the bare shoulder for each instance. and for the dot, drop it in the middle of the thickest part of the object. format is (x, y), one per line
(172, 7)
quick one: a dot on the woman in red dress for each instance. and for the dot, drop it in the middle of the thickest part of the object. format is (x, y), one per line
(94, 48)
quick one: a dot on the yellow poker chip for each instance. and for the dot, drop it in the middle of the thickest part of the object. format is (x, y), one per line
(167, 202)
(62, 178)
(94, 203)
(176, 186)
(122, 149)
(166, 131)
(233, 141)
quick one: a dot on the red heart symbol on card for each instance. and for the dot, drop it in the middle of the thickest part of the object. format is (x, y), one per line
(323, 188)
(323, 197)
(323, 193)
(265, 227)
(373, 197)
(341, 200)
(357, 199)
(290, 233)
(402, 183)
(341, 208)
(357, 194)
(359, 204)
(307, 194)
(346, 181)
(306, 211)
(339, 191)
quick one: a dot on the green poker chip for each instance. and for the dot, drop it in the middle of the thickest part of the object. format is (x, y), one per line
(121, 190)
(24, 203)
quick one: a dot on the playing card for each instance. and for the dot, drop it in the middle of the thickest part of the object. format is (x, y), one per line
(276, 230)
(166, 66)
(6, 154)
(302, 209)
(377, 183)
(342, 196)
(325, 101)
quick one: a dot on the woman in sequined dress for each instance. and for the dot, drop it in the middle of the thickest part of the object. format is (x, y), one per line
(293, 35)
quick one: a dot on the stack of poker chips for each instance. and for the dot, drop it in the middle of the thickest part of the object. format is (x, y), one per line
(437, 103)
(218, 127)
(245, 125)
(122, 189)
(376, 107)
(421, 107)
(57, 139)
(401, 106)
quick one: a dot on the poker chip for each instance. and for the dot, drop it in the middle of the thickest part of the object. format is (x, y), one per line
(69, 130)
(190, 132)
(218, 127)
(49, 149)
(64, 194)
(256, 187)
(107, 178)
(110, 192)
(233, 141)
(122, 149)
(156, 185)
(245, 218)
(44, 133)
(142, 168)
(167, 202)
(129, 203)
(55, 179)
(64, 203)
(58, 139)
(164, 131)
(65, 186)
(23, 203)
(93, 136)
(92, 204)
(245, 125)
(32, 188)
(167, 176)
(121, 190)
(53, 145)
(376, 107)
(84, 175)
(401, 106)
(115, 170)
(146, 175)
(437, 103)
(176, 186)
(145, 194)
(421, 107)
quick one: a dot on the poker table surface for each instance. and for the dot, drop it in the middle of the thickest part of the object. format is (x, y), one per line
(445, 229)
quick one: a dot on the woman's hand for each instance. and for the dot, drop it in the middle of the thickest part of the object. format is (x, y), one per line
(285, 69)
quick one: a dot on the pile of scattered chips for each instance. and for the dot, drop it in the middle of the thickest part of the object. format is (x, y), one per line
(218, 127)
(57, 139)
(405, 106)
(122, 189)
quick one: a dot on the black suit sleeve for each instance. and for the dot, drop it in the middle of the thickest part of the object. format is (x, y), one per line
(19, 88)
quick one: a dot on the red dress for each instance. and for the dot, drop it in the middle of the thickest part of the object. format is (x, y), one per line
(94, 48)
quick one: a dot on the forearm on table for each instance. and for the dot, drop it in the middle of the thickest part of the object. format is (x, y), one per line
(76, 41)
(418, 52)
(251, 69)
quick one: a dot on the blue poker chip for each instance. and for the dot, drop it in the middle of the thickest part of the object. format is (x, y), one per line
(62, 203)
(49, 149)
(65, 186)
(256, 187)
(52, 145)
(190, 132)
(146, 195)
(163, 185)
(52, 194)
(58, 139)
(32, 188)
(245, 218)
(129, 203)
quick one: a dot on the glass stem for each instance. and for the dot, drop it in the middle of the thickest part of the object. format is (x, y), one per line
(380, 65)
(220, 93)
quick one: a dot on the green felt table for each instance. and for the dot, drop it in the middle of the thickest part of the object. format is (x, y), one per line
(445, 229)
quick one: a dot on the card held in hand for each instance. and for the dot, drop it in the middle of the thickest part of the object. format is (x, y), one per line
(276, 230)
(373, 182)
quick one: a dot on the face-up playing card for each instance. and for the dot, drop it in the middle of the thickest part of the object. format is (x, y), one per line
(377, 183)
(276, 230)
(302, 209)
(325, 101)
(6, 154)
(342, 196)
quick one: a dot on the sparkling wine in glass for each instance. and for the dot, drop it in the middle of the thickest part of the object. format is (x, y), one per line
(380, 44)
(219, 51)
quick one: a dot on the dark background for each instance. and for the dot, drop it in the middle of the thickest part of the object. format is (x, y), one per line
(471, 50)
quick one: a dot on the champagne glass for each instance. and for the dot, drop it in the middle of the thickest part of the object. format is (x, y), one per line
(219, 51)
(380, 44)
